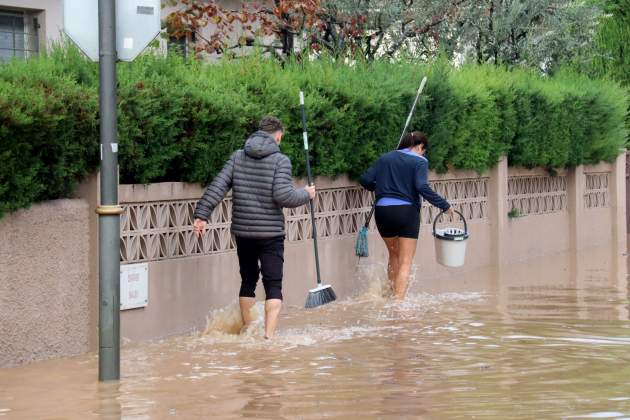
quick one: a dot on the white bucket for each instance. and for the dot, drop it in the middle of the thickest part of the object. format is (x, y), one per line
(450, 243)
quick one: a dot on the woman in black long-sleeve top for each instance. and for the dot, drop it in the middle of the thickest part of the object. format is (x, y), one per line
(400, 180)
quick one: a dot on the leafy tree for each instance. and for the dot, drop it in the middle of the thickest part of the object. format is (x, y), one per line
(384, 29)
(611, 53)
(232, 29)
(612, 46)
(537, 33)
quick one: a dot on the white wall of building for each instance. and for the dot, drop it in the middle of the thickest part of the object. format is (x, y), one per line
(48, 12)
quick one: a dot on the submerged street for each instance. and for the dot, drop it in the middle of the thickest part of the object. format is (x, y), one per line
(506, 343)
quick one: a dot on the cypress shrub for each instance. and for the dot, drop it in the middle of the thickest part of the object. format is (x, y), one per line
(48, 133)
(179, 121)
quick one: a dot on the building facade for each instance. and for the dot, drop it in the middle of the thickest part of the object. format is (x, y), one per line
(28, 26)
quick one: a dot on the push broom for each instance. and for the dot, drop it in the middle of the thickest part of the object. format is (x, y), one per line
(323, 293)
(361, 245)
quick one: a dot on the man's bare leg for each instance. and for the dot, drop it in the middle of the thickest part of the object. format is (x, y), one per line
(272, 312)
(246, 304)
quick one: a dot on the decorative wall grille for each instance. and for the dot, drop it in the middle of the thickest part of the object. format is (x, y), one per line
(161, 230)
(339, 212)
(468, 196)
(537, 194)
(596, 190)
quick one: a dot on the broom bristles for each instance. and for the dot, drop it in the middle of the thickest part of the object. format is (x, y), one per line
(361, 246)
(319, 296)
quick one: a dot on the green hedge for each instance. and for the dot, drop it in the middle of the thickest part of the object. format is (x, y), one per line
(48, 133)
(179, 121)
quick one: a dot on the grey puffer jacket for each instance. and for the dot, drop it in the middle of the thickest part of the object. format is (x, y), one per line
(261, 182)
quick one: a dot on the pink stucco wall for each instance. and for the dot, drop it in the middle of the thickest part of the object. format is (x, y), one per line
(44, 282)
(184, 288)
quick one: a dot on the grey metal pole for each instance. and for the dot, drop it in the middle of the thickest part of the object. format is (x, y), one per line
(109, 211)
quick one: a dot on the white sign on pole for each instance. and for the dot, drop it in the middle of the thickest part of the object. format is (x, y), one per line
(137, 24)
(134, 286)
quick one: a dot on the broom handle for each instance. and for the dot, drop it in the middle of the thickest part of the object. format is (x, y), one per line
(411, 112)
(369, 218)
(310, 182)
(413, 109)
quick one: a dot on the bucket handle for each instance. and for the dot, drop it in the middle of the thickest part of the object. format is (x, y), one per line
(457, 212)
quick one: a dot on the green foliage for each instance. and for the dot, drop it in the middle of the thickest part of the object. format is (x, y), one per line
(179, 121)
(514, 213)
(538, 34)
(611, 50)
(48, 132)
(611, 57)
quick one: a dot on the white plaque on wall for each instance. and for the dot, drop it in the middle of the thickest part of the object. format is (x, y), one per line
(134, 286)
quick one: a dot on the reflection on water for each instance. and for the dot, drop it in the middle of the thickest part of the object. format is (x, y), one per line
(543, 339)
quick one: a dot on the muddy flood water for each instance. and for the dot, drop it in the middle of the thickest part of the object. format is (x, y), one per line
(543, 339)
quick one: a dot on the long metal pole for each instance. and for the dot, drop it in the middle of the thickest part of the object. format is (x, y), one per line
(109, 211)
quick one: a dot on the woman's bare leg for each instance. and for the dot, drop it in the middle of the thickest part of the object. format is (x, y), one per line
(406, 253)
(392, 261)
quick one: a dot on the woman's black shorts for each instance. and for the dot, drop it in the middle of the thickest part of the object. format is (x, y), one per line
(402, 221)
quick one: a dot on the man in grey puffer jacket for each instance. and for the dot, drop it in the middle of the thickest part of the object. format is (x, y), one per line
(261, 183)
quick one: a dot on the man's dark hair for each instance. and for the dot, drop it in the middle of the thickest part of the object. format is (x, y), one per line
(270, 124)
(413, 139)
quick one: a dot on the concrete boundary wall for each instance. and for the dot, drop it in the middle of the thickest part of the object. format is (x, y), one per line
(44, 282)
(514, 214)
(51, 308)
